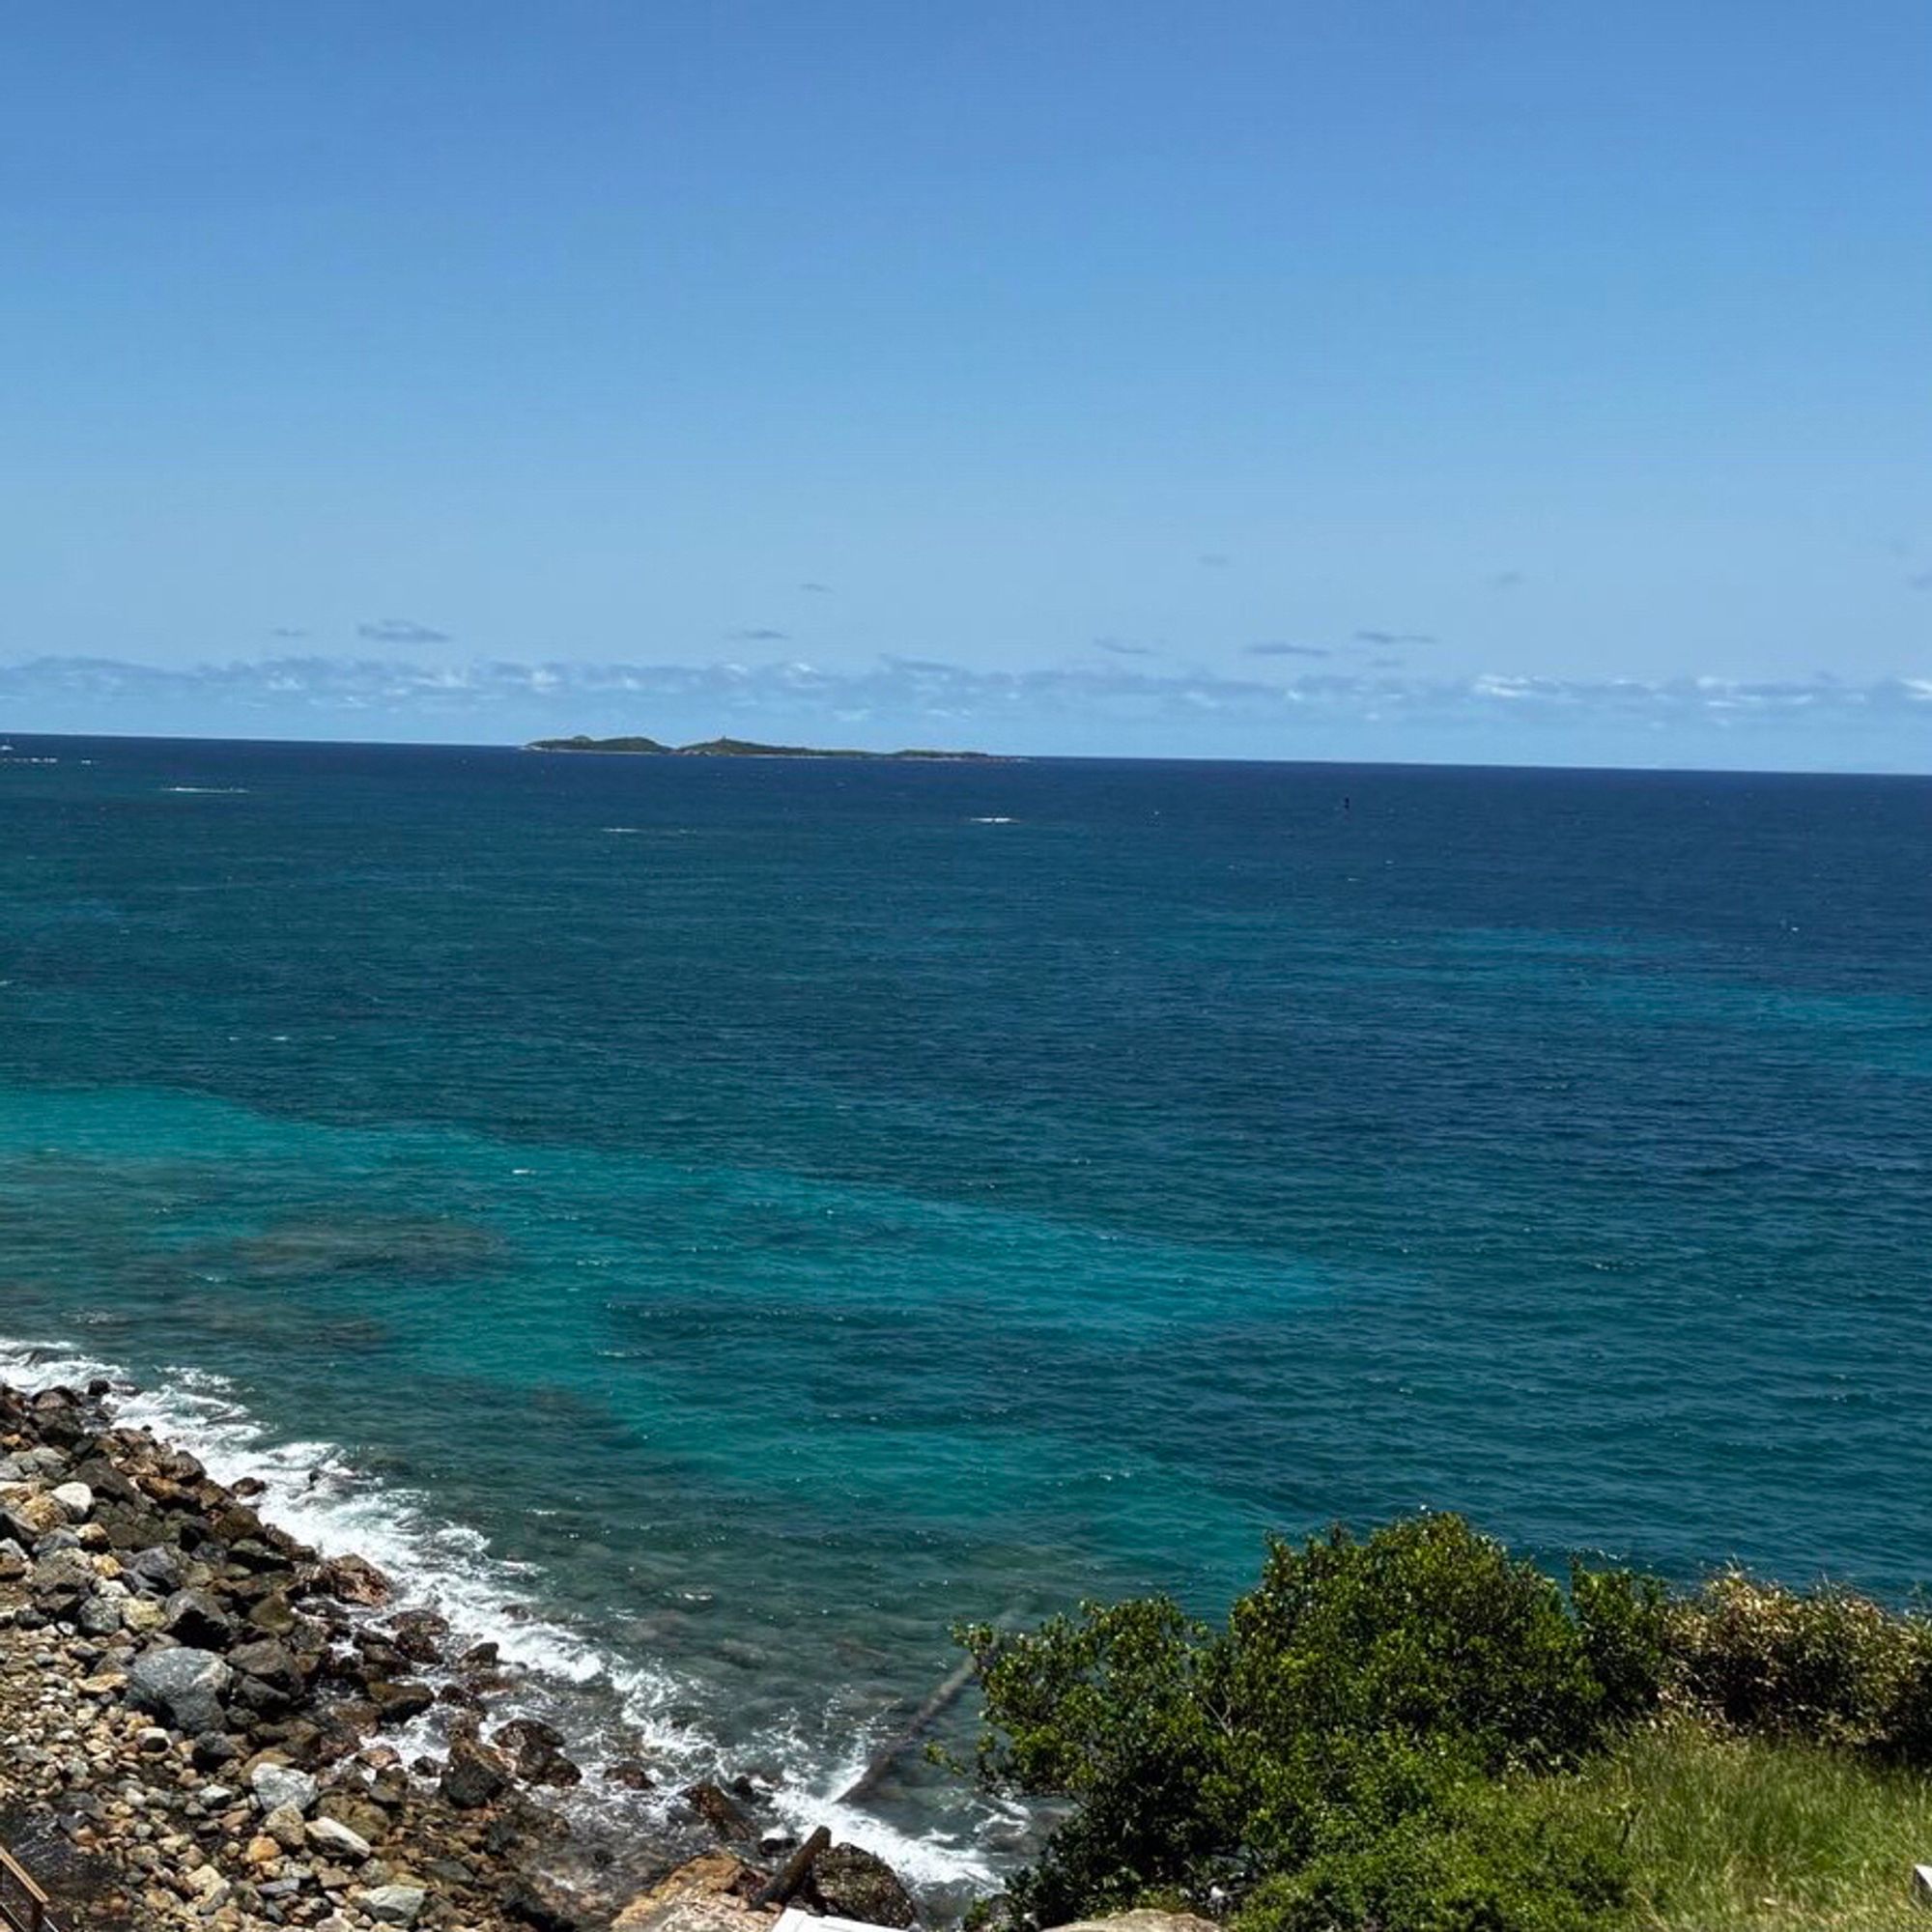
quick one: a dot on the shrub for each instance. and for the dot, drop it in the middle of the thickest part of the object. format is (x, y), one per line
(1425, 1629)
(1492, 1858)
(1826, 1665)
(1353, 1688)
(1624, 1619)
(1414, 1732)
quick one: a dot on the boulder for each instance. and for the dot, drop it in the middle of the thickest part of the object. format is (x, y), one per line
(269, 1662)
(157, 1570)
(536, 1748)
(354, 1579)
(185, 1686)
(392, 1904)
(396, 1703)
(716, 1810)
(74, 1499)
(419, 1635)
(196, 1617)
(708, 1894)
(332, 1837)
(475, 1774)
(851, 1883)
(1142, 1920)
(277, 1784)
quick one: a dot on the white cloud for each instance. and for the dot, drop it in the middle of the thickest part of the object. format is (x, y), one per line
(1108, 705)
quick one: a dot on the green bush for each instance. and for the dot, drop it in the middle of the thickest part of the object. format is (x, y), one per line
(1409, 1732)
(1509, 1857)
(1357, 1684)
(1625, 1622)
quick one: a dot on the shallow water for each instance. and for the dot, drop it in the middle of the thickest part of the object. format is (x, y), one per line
(759, 1213)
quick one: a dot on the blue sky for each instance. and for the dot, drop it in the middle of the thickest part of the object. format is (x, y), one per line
(1458, 378)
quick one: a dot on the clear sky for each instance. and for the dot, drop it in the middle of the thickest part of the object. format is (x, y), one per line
(1381, 378)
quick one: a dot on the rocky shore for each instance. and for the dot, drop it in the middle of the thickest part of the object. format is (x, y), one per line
(205, 1723)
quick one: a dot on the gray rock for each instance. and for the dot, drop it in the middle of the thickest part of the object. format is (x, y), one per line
(100, 1615)
(185, 1686)
(197, 1618)
(157, 1571)
(268, 1660)
(333, 1836)
(77, 1501)
(277, 1784)
(392, 1904)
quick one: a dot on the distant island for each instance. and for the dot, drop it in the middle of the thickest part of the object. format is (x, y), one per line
(737, 748)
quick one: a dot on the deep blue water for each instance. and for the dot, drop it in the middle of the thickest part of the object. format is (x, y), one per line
(795, 1206)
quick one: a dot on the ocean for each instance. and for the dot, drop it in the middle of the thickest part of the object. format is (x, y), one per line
(716, 1224)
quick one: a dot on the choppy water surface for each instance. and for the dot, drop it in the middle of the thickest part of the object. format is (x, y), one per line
(758, 1213)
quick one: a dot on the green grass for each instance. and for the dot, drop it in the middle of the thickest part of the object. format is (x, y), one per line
(1752, 1836)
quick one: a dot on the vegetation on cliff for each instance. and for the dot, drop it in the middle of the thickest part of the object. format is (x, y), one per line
(1416, 1732)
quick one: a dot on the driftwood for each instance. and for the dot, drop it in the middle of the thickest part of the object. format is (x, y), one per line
(941, 1701)
(797, 1869)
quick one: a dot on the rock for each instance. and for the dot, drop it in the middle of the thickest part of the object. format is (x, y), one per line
(157, 1569)
(100, 1615)
(418, 1635)
(332, 1837)
(392, 1904)
(262, 1850)
(366, 1818)
(707, 1895)
(851, 1883)
(277, 1784)
(32, 1516)
(475, 1774)
(354, 1579)
(14, 1563)
(284, 1824)
(1142, 1920)
(716, 1810)
(196, 1617)
(76, 1500)
(63, 1580)
(269, 1663)
(208, 1889)
(535, 1747)
(632, 1772)
(185, 1686)
(396, 1703)
(141, 1615)
(273, 1613)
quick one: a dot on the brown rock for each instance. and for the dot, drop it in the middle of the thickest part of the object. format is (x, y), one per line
(398, 1702)
(707, 1895)
(716, 1810)
(354, 1579)
(475, 1774)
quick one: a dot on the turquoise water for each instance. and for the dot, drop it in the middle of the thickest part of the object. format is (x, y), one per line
(758, 1213)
